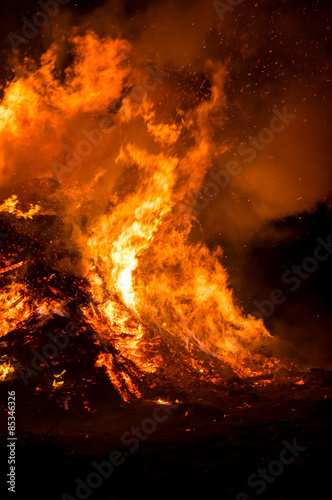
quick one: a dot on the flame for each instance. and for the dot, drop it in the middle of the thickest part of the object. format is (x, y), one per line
(134, 221)
(151, 284)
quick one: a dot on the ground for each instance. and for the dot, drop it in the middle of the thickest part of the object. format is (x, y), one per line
(203, 449)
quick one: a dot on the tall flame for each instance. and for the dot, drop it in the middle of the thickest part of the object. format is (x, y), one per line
(145, 272)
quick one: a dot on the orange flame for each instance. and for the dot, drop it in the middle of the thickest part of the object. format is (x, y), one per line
(145, 273)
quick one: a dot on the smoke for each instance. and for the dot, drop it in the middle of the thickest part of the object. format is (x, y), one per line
(281, 175)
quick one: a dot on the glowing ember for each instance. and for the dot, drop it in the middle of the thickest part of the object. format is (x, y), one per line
(14, 307)
(10, 206)
(6, 369)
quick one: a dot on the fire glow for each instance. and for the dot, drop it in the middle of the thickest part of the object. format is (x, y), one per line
(160, 300)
